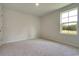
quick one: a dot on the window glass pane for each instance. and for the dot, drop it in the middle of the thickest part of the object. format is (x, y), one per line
(69, 26)
(73, 12)
(65, 14)
(69, 22)
(72, 24)
(65, 26)
(74, 18)
(64, 20)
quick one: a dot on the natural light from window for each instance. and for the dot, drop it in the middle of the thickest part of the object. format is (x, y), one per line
(68, 21)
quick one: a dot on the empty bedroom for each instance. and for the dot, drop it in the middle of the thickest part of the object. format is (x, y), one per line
(39, 29)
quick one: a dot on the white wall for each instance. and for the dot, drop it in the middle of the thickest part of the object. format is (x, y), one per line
(0, 25)
(50, 27)
(19, 26)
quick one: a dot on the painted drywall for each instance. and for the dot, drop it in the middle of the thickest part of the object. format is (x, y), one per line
(50, 27)
(1, 25)
(19, 26)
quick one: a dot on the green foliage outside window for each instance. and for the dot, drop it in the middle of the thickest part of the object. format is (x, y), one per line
(70, 27)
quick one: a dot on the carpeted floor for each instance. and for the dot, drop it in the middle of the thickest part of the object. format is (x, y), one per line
(37, 47)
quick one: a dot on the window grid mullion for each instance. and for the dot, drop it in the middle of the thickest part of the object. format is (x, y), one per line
(69, 16)
(69, 22)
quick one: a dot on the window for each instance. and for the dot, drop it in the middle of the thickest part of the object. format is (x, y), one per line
(68, 21)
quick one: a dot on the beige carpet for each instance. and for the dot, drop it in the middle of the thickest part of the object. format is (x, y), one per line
(37, 47)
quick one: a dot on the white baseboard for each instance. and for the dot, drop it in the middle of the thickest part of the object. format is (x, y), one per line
(5, 42)
(8, 41)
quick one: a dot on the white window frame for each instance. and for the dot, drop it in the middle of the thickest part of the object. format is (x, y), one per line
(68, 17)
